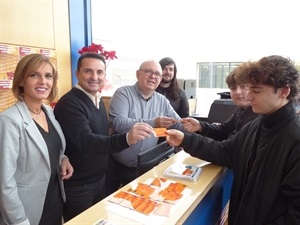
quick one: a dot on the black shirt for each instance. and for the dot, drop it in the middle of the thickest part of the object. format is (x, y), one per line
(52, 212)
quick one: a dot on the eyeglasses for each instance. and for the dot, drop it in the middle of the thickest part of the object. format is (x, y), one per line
(150, 73)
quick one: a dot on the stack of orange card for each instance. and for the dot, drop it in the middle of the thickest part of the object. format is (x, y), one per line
(155, 198)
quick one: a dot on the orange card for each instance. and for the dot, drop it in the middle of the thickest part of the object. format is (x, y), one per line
(160, 132)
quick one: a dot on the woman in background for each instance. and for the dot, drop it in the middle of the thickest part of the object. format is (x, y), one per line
(32, 161)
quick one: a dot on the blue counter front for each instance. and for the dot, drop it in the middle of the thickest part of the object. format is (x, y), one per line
(209, 210)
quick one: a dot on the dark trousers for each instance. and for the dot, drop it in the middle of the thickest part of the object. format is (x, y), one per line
(80, 198)
(117, 175)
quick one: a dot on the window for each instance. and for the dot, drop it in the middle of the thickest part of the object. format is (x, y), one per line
(204, 71)
(213, 74)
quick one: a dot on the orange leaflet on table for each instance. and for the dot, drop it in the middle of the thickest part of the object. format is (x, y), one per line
(157, 181)
(160, 132)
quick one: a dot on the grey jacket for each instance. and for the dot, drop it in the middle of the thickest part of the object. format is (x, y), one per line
(24, 165)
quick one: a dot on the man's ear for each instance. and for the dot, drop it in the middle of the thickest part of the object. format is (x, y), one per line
(285, 91)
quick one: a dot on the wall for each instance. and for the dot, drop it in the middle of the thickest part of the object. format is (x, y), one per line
(41, 24)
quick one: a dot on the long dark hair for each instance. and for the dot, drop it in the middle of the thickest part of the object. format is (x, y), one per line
(174, 86)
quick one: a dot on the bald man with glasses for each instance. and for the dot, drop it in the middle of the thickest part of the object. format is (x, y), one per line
(132, 104)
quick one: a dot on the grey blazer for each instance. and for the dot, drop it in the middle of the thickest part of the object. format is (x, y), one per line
(24, 165)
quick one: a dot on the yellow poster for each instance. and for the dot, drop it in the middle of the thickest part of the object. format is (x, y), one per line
(9, 58)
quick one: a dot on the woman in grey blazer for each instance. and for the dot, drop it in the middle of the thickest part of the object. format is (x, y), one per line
(32, 161)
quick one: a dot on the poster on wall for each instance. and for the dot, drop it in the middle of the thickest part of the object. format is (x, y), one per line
(26, 51)
(51, 54)
(9, 57)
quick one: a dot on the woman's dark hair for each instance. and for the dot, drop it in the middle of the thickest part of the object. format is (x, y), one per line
(173, 92)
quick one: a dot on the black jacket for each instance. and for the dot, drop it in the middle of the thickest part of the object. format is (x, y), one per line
(221, 132)
(269, 193)
(181, 105)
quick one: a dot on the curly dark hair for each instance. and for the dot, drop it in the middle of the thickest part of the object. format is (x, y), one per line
(244, 68)
(276, 71)
(174, 86)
